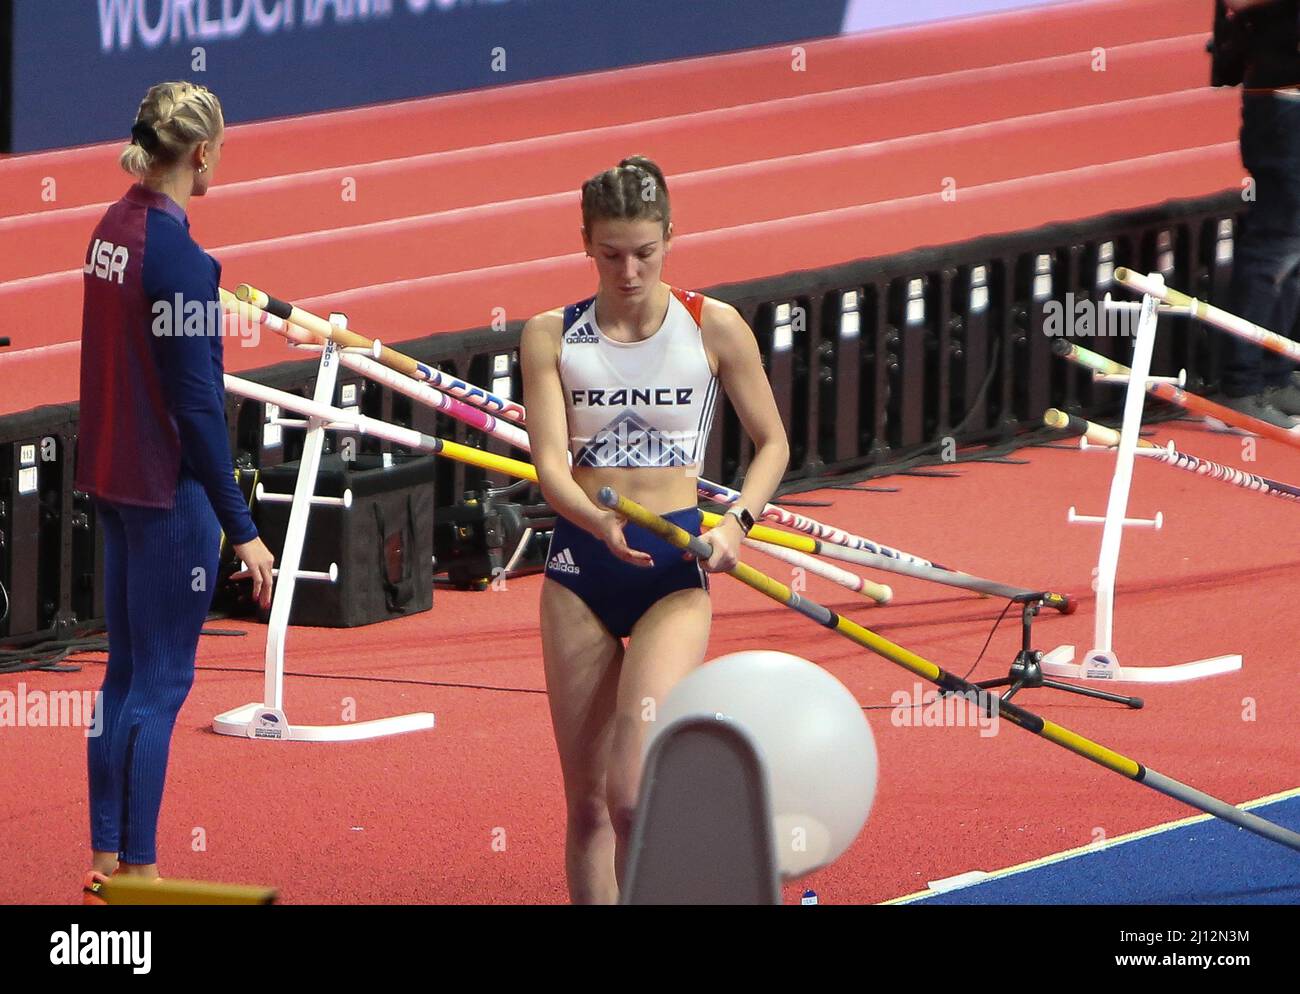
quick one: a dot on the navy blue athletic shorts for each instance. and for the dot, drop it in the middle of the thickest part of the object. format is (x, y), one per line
(617, 592)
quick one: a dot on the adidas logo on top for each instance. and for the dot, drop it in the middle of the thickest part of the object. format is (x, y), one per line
(581, 335)
(562, 562)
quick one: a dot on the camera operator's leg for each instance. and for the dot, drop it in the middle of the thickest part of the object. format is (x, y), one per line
(1266, 268)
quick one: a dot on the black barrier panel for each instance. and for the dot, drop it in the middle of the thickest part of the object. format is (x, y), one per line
(54, 570)
(1089, 274)
(783, 332)
(735, 455)
(838, 375)
(35, 521)
(1002, 285)
(771, 322)
(398, 409)
(733, 447)
(873, 403)
(803, 439)
(251, 436)
(1030, 346)
(1004, 314)
(1071, 298)
(498, 373)
(20, 515)
(970, 370)
(905, 344)
(932, 396)
(450, 479)
(1187, 276)
(350, 394)
(368, 397)
(1206, 356)
(715, 458)
(1192, 338)
(452, 358)
(1160, 255)
(87, 562)
(1120, 345)
(254, 429)
(1184, 333)
(938, 359)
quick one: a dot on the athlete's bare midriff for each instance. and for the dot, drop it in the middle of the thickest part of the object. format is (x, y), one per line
(659, 489)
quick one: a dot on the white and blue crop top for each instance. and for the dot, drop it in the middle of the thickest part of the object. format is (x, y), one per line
(638, 404)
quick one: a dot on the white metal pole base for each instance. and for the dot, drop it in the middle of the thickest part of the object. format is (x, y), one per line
(256, 721)
(1100, 665)
(1101, 662)
(266, 719)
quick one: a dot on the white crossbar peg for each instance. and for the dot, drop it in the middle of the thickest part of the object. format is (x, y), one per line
(308, 574)
(1154, 451)
(1111, 304)
(1158, 451)
(1133, 305)
(266, 496)
(1156, 523)
(1179, 381)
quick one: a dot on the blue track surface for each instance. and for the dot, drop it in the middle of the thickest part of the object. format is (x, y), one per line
(1209, 862)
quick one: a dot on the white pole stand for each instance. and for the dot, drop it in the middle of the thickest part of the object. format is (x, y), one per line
(1101, 662)
(266, 719)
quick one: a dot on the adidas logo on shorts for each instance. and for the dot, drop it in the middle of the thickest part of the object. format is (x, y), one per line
(562, 562)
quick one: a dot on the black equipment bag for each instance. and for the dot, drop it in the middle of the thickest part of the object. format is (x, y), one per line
(383, 543)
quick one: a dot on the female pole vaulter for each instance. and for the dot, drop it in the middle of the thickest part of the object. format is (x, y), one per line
(625, 383)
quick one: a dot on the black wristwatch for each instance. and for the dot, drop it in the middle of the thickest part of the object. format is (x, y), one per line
(743, 516)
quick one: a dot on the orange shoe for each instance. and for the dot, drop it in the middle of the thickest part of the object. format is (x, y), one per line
(91, 888)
